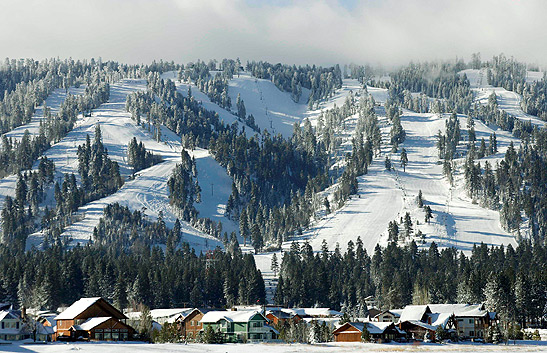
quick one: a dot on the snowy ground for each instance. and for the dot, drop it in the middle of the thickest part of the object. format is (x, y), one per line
(508, 101)
(53, 102)
(267, 348)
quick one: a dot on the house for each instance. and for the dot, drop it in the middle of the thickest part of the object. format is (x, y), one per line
(378, 331)
(471, 320)
(280, 317)
(463, 320)
(11, 326)
(189, 323)
(387, 316)
(239, 326)
(93, 319)
(418, 330)
(372, 312)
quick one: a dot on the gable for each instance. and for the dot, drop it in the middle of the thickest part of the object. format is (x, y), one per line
(193, 315)
(101, 308)
(257, 317)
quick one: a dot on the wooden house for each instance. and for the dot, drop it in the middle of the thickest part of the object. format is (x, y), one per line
(189, 323)
(280, 317)
(93, 319)
(378, 331)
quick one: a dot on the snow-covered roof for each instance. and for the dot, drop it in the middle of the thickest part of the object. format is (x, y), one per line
(423, 324)
(8, 314)
(230, 316)
(395, 313)
(440, 319)
(164, 315)
(460, 310)
(376, 328)
(44, 330)
(77, 308)
(413, 312)
(91, 323)
(313, 312)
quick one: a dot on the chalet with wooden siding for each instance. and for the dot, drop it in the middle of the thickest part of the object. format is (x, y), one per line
(280, 317)
(93, 319)
(378, 331)
(189, 324)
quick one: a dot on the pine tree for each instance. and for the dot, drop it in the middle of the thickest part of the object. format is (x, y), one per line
(404, 159)
(274, 265)
(408, 225)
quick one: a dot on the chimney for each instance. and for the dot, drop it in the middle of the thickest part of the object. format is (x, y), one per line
(23, 312)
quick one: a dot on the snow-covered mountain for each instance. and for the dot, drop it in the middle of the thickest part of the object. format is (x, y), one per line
(383, 196)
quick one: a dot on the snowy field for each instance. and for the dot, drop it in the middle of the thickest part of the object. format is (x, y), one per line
(271, 348)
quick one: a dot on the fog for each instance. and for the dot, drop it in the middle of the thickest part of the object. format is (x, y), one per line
(387, 32)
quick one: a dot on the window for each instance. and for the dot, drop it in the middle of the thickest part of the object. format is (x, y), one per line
(3, 324)
(470, 321)
(256, 324)
(471, 333)
(17, 325)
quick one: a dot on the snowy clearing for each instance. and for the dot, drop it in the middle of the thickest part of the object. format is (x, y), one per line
(267, 348)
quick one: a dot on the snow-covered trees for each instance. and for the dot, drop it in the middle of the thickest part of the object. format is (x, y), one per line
(138, 157)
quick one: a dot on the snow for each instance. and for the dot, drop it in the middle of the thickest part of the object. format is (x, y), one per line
(508, 101)
(336, 347)
(231, 316)
(93, 322)
(460, 310)
(272, 109)
(53, 101)
(226, 116)
(77, 308)
(149, 189)
(413, 312)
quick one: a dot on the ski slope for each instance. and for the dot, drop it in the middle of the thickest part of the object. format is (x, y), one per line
(508, 101)
(148, 191)
(226, 116)
(384, 196)
(53, 102)
(275, 110)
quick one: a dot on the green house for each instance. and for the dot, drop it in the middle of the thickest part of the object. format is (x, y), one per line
(240, 326)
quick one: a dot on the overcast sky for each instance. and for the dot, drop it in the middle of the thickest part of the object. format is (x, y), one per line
(321, 31)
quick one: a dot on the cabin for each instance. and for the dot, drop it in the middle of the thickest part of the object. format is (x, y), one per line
(378, 331)
(240, 326)
(11, 326)
(280, 317)
(93, 319)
